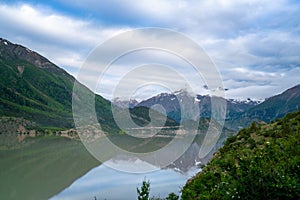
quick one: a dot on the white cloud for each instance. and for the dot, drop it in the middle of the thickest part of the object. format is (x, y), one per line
(63, 39)
(254, 43)
(260, 84)
(164, 48)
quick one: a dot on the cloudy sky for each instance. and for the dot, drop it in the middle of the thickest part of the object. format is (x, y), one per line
(254, 44)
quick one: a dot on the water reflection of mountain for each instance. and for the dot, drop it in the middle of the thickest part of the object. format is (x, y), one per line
(106, 183)
(190, 159)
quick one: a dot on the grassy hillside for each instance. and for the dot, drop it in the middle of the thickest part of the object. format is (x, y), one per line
(260, 162)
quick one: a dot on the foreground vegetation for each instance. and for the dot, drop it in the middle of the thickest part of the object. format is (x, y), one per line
(260, 162)
(144, 193)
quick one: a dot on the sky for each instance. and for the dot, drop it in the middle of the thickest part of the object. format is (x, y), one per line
(254, 44)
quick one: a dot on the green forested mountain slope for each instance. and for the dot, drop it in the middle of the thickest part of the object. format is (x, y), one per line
(260, 162)
(277, 106)
(33, 88)
(272, 108)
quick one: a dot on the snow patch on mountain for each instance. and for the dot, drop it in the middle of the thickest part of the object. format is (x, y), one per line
(124, 103)
(246, 101)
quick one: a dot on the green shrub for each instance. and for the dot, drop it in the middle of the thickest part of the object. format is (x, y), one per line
(269, 169)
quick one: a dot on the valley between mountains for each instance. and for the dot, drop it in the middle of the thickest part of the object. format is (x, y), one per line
(41, 153)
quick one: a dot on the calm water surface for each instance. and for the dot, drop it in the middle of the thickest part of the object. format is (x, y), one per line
(106, 183)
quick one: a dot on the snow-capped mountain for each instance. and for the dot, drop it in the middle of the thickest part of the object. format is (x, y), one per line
(172, 103)
(239, 112)
(123, 103)
(247, 101)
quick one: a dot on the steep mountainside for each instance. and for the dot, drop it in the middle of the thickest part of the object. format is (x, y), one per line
(277, 106)
(260, 162)
(272, 108)
(33, 88)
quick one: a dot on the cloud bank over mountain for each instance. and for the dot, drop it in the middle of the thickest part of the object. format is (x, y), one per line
(254, 44)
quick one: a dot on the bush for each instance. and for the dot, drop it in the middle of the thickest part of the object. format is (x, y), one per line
(172, 196)
(269, 169)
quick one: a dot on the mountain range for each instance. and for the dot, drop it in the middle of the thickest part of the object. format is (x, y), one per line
(239, 113)
(171, 103)
(34, 88)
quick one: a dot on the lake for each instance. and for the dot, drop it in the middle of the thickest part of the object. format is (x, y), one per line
(112, 179)
(104, 182)
(61, 168)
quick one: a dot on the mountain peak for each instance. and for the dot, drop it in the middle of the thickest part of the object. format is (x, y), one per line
(5, 42)
(9, 50)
